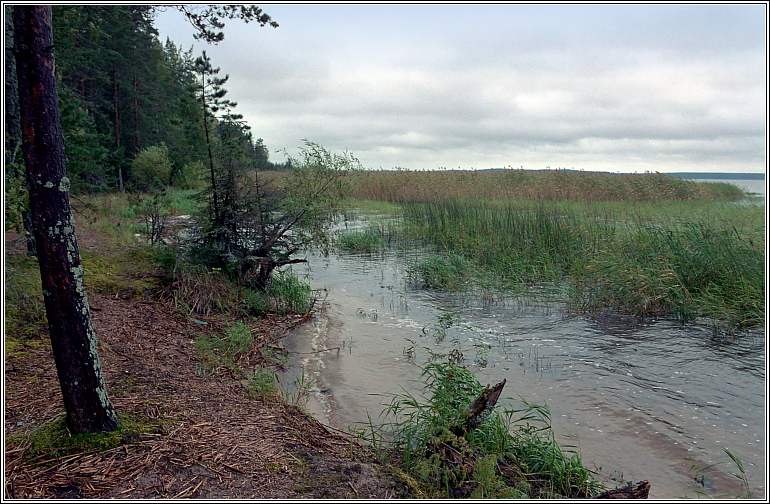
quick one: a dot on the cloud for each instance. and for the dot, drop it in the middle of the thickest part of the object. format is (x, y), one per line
(671, 89)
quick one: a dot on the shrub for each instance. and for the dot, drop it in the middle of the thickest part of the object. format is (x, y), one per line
(151, 168)
(190, 176)
(154, 212)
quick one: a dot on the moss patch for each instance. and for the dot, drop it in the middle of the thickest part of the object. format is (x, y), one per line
(54, 439)
(124, 273)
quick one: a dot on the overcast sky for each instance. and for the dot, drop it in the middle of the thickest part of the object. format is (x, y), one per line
(617, 88)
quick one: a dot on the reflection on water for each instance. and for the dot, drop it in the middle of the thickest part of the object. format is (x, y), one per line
(641, 401)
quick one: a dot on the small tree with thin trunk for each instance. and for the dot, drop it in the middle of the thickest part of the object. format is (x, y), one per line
(212, 97)
(73, 339)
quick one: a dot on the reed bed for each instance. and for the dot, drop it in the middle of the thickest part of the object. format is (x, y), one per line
(549, 185)
(644, 260)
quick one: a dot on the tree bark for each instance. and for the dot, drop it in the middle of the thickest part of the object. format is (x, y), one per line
(116, 111)
(208, 146)
(137, 143)
(73, 339)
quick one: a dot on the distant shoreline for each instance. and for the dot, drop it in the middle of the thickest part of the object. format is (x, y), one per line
(718, 176)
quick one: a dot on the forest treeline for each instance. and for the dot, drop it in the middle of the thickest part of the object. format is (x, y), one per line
(123, 91)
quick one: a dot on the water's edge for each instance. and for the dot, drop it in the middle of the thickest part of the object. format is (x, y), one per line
(654, 401)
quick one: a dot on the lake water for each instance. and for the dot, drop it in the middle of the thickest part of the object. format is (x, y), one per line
(654, 401)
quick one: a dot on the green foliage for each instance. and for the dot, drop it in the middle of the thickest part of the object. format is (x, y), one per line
(646, 260)
(24, 308)
(285, 294)
(263, 384)
(209, 21)
(183, 201)
(87, 158)
(223, 351)
(361, 241)
(257, 303)
(314, 188)
(120, 91)
(438, 272)
(289, 294)
(151, 169)
(511, 454)
(191, 176)
(254, 227)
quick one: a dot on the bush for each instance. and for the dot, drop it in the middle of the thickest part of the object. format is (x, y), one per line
(151, 169)
(190, 176)
(154, 212)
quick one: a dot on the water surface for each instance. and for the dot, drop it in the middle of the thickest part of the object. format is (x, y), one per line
(650, 401)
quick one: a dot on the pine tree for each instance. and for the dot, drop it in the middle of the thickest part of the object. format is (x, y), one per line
(73, 339)
(212, 99)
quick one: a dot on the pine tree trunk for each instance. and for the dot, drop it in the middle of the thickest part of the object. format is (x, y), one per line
(211, 158)
(136, 114)
(73, 339)
(116, 111)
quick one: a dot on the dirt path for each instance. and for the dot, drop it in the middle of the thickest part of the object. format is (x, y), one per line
(212, 440)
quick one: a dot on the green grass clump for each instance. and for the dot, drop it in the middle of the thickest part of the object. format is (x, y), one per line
(361, 241)
(441, 272)
(53, 438)
(217, 351)
(263, 384)
(289, 294)
(285, 294)
(511, 454)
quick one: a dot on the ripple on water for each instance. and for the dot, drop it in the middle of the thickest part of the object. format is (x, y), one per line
(643, 398)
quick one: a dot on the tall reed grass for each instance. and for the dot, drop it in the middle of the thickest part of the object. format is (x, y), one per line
(640, 260)
(551, 185)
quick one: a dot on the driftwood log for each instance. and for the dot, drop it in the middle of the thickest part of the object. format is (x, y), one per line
(480, 408)
(640, 490)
